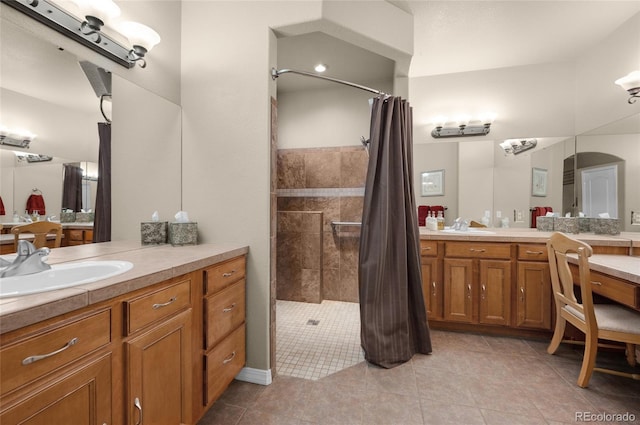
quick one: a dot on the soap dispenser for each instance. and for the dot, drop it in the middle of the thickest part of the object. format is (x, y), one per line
(440, 221)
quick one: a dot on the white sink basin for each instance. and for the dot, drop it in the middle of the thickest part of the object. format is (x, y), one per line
(470, 231)
(61, 276)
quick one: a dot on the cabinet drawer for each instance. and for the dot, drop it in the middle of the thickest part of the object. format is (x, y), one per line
(612, 288)
(76, 235)
(478, 250)
(429, 248)
(224, 312)
(222, 275)
(223, 363)
(37, 356)
(537, 252)
(157, 305)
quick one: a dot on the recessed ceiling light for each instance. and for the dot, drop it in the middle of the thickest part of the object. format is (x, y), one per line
(320, 67)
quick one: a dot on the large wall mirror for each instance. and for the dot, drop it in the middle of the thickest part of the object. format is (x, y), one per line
(46, 91)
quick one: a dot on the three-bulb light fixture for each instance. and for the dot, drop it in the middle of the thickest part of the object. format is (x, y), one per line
(517, 146)
(462, 126)
(17, 138)
(631, 83)
(88, 30)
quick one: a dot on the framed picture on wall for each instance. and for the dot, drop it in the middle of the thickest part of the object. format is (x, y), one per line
(433, 183)
(538, 182)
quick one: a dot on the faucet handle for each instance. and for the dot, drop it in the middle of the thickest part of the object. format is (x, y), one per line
(25, 248)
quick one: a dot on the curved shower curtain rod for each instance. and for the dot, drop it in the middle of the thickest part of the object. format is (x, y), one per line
(275, 73)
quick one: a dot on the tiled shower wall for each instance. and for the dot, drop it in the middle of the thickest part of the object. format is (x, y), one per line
(328, 181)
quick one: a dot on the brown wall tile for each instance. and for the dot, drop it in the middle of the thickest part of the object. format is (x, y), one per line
(291, 170)
(322, 169)
(353, 168)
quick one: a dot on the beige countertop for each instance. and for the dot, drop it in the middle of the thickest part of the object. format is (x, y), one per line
(529, 236)
(621, 266)
(151, 264)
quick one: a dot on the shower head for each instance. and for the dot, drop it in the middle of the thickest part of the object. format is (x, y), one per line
(365, 144)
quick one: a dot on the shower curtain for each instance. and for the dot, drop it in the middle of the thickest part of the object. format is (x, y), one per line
(392, 311)
(72, 188)
(102, 217)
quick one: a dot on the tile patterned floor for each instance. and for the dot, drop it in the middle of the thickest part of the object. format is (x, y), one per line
(468, 379)
(316, 340)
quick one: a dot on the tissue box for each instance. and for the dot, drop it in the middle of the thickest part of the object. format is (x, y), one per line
(606, 226)
(545, 224)
(67, 217)
(584, 224)
(153, 232)
(84, 217)
(183, 233)
(565, 224)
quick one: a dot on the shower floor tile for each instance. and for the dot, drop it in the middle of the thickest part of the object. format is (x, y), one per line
(316, 340)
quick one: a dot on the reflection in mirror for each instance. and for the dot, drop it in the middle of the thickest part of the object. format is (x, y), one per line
(47, 91)
(80, 183)
(607, 167)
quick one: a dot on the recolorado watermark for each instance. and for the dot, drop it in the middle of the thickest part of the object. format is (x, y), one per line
(605, 417)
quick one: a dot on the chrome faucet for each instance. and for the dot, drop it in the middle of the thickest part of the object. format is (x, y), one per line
(29, 260)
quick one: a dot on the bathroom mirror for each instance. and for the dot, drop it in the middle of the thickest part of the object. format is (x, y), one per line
(45, 91)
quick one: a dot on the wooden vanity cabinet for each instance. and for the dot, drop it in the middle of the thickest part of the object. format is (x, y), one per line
(431, 265)
(74, 237)
(224, 326)
(59, 372)
(534, 303)
(477, 283)
(158, 356)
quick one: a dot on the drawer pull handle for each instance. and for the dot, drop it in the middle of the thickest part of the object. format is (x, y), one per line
(522, 293)
(171, 301)
(477, 250)
(433, 285)
(138, 406)
(228, 274)
(596, 283)
(228, 309)
(534, 252)
(484, 290)
(469, 290)
(33, 359)
(427, 248)
(228, 359)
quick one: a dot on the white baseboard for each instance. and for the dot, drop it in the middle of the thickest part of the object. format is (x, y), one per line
(255, 376)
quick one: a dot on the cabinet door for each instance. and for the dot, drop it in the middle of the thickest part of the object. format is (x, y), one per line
(432, 288)
(80, 397)
(495, 292)
(458, 290)
(533, 303)
(158, 373)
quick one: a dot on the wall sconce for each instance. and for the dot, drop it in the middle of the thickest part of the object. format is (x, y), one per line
(462, 127)
(517, 146)
(631, 83)
(16, 138)
(88, 32)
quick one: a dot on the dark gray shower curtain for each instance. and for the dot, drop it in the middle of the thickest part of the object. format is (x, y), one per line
(392, 311)
(102, 217)
(72, 188)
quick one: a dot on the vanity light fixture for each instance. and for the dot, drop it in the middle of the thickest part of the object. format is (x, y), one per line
(88, 31)
(462, 127)
(16, 138)
(631, 83)
(517, 146)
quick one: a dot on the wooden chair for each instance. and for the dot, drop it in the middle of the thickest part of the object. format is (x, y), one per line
(611, 322)
(40, 229)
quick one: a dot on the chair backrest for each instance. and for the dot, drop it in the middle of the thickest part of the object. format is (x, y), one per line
(558, 246)
(40, 229)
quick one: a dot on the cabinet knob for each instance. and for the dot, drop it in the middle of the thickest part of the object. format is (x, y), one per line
(477, 250)
(468, 290)
(228, 309)
(433, 285)
(595, 282)
(228, 274)
(228, 359)
(484, 290)
(534, 252)
(522, 293)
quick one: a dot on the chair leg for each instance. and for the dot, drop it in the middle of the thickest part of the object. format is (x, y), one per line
(631, 354)
(589, 359)
(558, 334)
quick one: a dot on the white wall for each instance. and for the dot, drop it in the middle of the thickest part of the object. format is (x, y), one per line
(146, 159)
(332, 116)
(437, 156)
